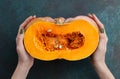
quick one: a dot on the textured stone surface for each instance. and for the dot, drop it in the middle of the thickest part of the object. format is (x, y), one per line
(13, 13)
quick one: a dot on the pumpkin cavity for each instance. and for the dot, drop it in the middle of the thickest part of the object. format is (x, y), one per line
(52, 42)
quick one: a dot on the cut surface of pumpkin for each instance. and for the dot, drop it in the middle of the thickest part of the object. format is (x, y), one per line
(74, 40)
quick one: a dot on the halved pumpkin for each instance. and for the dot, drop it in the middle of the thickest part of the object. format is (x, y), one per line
(71, 39)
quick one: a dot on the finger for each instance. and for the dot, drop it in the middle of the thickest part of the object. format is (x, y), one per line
(69, 19)
(20, 35)
(90, 15)
(21, 31)
(100, 25)
(103, 38)
(19, 39)
(101, 30)
(27, 21)
(23, 25)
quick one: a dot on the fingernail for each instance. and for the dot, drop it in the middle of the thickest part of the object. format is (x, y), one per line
(21, 31)
(34, 16)
(30, 16)
(101, 30)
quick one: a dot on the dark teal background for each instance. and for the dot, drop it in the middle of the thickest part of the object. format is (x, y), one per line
(14, 12)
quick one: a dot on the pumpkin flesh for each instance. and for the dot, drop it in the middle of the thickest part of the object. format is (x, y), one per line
(41, 37)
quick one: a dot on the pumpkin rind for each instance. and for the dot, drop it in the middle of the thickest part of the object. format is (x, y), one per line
(85, 25)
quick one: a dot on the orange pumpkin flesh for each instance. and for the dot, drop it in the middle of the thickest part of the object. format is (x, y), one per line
(75, 40)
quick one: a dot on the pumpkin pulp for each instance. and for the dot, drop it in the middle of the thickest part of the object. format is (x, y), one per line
(51, 41)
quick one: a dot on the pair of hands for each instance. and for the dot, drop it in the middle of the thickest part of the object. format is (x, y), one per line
(25, 61)
(24, 57)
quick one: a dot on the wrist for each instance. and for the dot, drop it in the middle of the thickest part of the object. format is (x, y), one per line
(21, 71)
(98, 63)
(97, 60)
(24, 64)
(102, 70)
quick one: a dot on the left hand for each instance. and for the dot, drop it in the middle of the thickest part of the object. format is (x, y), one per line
(23, 56)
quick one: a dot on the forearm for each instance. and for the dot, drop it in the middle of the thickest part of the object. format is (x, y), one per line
(102, 70)
(21, 71)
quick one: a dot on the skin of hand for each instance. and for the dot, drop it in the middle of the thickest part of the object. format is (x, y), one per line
(99, 54)
(98, 57)
(25, 61)
(23, 56)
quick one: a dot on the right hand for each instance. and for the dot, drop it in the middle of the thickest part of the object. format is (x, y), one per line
(99, 54)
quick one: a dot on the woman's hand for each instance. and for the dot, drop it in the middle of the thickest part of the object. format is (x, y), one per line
(98, 57)
(25, 61)
(23, 56)
(99, 54)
